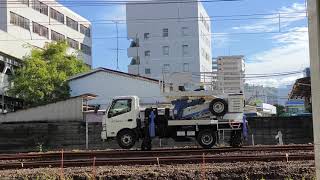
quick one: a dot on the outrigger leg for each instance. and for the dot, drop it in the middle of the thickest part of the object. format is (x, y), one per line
(236, 138)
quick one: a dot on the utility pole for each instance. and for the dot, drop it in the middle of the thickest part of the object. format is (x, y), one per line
(116, 22)
(314, 48)
(138, 58)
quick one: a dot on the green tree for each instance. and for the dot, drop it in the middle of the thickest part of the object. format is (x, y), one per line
(280, 109)
(309, 108)
(255, 102)
(43, 77)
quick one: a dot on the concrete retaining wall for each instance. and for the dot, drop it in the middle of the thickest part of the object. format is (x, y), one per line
(57, 135)
(26, 136)
(296, 130)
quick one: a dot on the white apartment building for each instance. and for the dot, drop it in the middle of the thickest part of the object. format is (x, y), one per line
(169, 40)
(230, 73)
(33, 23)
(27, 24)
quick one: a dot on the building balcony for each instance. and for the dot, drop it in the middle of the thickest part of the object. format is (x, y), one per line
(135, 61)
(133, 51)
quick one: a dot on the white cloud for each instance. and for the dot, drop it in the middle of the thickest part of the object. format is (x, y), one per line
(220, 41)
(291, 53)
(270, 23)
(117, 13)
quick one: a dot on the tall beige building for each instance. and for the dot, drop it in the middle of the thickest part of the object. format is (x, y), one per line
(230, 73)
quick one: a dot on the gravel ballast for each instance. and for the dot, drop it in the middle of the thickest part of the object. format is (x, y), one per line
(251, 170)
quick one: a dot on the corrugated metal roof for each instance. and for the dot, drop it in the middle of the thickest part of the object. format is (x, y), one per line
(301, 88)
(120, 73)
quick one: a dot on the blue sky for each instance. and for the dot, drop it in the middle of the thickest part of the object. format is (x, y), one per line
(265, 52)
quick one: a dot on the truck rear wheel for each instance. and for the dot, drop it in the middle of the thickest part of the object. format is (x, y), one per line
(206, 139)
(126, 139)
(218, 107)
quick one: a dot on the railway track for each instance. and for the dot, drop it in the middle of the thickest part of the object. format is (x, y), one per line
(163, 156)
(157, 152)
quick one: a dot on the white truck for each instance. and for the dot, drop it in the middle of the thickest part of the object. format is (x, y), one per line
(200, 118)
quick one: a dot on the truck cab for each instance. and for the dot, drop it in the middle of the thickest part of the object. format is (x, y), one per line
(121, 116)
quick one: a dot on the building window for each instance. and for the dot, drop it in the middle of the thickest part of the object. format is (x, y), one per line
(185, 67)
(85, 30)
(72, 23)
(41, 7)
(55, 36)
(146, 36)
(165, 50)
(40, 30)
(86, 49)
(165, 32)
(204, 21)
(73, 43)
(185, 50)
(19, 21)
(147, 71)
(54, 14)
(185, 31)
(147, 53)
(26, 2)
(166, 68)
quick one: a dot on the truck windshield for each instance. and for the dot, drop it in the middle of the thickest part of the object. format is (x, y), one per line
(120, 106)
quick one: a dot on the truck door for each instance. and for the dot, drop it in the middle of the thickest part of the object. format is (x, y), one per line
(120, 116)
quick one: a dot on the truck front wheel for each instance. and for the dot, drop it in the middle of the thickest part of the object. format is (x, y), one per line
(206, 139)
(126, 139)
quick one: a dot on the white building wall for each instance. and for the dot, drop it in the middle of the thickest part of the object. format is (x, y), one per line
(108, 85)
(182, 30)
(204, 40)
(68, 110)
(22, 38)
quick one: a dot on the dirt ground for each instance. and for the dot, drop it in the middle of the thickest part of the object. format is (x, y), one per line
(252, 170)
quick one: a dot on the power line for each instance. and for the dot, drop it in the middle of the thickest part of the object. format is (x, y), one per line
(123, 2)
(298, 14)
(112, 3)
(124, 22)
(125, 37)
(262, 76)
(277, 73)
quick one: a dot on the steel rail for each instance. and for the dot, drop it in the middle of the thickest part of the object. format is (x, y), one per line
(158, 152)
(164, 160)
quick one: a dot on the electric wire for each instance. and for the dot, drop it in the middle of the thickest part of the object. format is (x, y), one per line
(298, 14)
(124, 37)
(111, 3)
